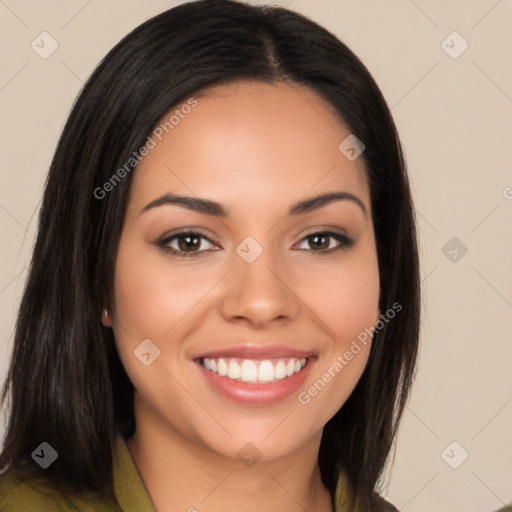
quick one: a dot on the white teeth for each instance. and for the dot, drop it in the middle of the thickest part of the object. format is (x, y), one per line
(222, 368)
(266, 371)
(280, 370)
(249, 371)
(290, 368)
(233, 370)
(254, 371)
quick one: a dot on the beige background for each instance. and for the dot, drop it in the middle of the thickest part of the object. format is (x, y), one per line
(454, 116)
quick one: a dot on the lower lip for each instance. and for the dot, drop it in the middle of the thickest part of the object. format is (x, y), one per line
(245, 393)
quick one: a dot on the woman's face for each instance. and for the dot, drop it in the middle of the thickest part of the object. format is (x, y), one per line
(253, 292)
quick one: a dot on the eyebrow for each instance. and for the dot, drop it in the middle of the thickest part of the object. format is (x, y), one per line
(209, 207)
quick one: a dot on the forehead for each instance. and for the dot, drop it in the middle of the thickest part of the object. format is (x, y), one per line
(253, 142)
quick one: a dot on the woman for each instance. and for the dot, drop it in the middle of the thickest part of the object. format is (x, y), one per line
(222, 310)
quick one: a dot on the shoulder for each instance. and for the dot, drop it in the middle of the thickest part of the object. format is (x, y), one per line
(379, 504)
(20, 492)
(346, 499)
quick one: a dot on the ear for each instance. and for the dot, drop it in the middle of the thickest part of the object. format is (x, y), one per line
(106, 319)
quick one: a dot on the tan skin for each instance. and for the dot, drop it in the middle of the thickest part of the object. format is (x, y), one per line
(256, 149)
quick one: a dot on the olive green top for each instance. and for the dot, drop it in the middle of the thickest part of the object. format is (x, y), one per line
(131, 494)
(35, 496)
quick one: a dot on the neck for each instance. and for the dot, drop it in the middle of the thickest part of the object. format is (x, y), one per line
(180, 474)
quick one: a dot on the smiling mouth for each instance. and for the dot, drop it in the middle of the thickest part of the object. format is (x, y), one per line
(254, 371)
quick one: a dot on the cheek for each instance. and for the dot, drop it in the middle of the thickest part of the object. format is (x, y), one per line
(151, 295)
(155, 300)
(345, 298)
(149, 301)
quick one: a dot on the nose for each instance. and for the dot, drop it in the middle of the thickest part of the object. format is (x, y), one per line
(260, 293)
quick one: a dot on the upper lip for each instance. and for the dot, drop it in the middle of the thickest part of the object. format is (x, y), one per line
(251, 351)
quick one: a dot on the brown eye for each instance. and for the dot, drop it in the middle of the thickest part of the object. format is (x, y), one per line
(321, 241)
(185, 243)
(188, 242)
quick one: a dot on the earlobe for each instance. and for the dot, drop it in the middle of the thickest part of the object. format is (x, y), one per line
(105, 318)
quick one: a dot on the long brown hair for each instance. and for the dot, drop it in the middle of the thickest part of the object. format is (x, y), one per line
(66, 385)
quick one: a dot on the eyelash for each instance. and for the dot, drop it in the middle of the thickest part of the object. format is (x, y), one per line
(345, 242)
